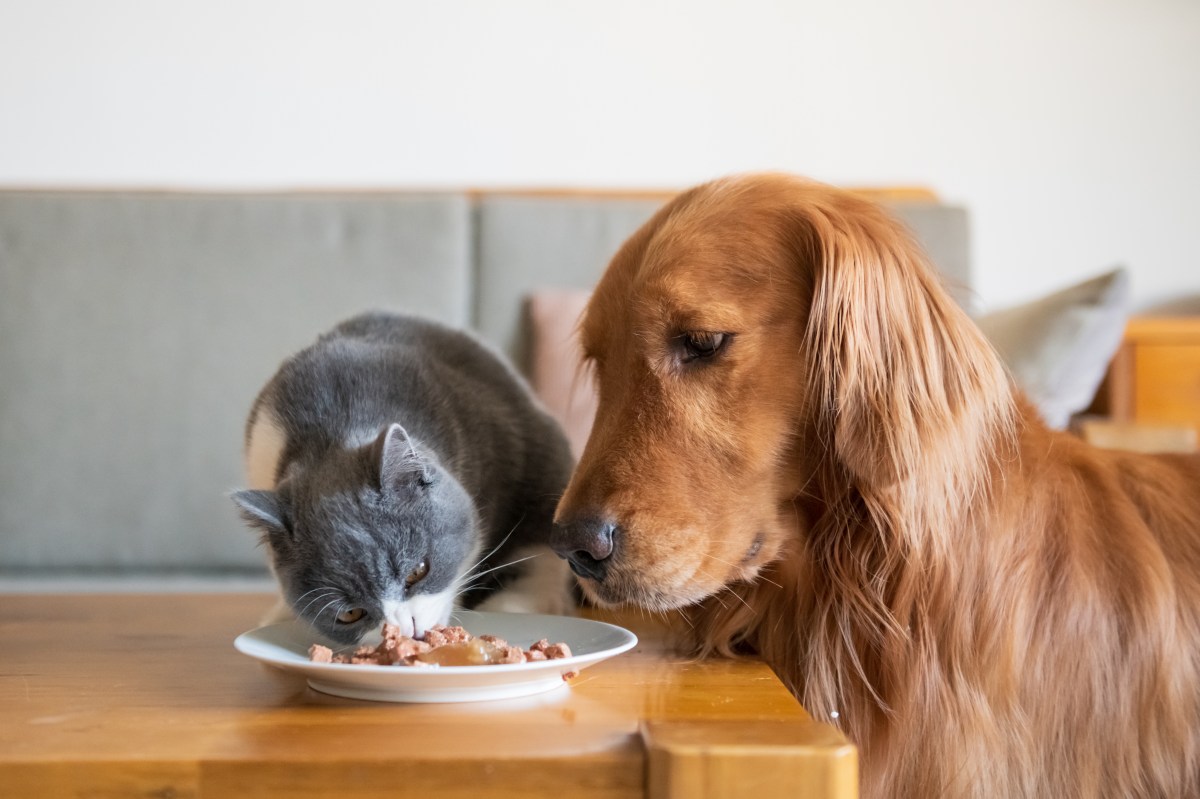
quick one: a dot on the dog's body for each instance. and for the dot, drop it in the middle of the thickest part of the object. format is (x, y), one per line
(806, 444)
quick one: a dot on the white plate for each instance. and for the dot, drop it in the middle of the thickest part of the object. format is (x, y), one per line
(286, 646)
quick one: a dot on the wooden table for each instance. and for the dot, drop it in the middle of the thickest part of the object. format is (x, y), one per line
(144, 695)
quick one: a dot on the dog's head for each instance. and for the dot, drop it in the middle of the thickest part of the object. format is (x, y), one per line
(758, 339)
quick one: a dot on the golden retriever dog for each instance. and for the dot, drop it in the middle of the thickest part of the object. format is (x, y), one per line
(805, 444)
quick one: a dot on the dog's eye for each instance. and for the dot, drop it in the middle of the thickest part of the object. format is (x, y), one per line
(703, 344)
(417, 574)
(350, 616)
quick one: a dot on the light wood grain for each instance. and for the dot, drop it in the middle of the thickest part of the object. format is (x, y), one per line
(144, 695)
(1167, 384)
(1153, 382)
(757, 760)
(1134, 437)
(1163, 329)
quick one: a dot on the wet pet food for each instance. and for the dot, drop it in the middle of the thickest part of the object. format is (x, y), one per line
(441, 646)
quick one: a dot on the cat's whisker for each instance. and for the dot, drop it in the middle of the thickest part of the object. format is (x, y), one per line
(328, 593)
(320, 591)
(333, 602)
(471, 586)
(473, 581)
(311, 590)
(495, 549)
(466, 587)
(502, 565)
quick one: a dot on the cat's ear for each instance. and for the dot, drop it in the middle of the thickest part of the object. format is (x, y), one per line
(261, 509)
(398, 459)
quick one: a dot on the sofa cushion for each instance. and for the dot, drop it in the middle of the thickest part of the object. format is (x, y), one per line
(530, 243)
(944, 233)
(136, 330)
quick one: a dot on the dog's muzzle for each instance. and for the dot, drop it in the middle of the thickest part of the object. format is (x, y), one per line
(587, 544)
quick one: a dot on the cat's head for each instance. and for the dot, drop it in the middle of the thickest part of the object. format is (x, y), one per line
(382, 533)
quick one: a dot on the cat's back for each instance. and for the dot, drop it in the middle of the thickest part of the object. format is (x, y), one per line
(448, 364)
(444, 385)
(356, 375)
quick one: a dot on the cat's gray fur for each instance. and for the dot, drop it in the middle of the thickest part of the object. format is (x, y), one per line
(394, 441)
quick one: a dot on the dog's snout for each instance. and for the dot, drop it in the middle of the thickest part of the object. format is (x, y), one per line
(587, 544)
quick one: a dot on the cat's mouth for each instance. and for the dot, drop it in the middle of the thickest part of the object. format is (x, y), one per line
(405, 622)
(414, 615)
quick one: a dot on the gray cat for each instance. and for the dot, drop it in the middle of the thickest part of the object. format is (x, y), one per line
(397, 469)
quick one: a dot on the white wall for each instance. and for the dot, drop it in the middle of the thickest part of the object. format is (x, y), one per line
(1071, 128)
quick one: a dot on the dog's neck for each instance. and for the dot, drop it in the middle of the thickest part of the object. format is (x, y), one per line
(863, 563)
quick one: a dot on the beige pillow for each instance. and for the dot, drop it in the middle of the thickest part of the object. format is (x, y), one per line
(1059, 347)
(556, 372)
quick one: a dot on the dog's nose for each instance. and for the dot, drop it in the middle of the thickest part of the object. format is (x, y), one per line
(586, 544)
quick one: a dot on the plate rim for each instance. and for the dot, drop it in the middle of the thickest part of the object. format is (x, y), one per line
(299, 660)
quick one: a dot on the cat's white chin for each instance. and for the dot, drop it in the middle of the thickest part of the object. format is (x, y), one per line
(415, 615)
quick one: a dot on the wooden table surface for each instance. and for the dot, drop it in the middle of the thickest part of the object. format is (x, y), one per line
(144, 695)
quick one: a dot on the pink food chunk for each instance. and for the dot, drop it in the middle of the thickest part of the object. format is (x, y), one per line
(397, 649)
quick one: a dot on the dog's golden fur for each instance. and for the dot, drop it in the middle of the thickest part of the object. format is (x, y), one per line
(852, 487)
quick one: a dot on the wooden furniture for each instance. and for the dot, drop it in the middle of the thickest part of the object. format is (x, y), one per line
(144, 695)
(1135, 437)
(1151, 394)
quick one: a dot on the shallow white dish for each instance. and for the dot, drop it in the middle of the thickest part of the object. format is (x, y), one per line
(286, 646)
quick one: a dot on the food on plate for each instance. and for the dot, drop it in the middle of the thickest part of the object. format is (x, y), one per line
(441, 646)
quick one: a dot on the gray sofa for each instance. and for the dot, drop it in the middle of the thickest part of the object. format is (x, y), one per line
(136, 328)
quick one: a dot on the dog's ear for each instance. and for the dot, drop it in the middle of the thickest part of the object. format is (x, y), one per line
(902, 381)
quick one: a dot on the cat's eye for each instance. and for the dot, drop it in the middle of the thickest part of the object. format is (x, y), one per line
(417, 574)
(350, 616)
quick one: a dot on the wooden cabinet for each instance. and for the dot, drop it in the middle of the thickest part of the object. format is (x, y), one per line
(1154, 380)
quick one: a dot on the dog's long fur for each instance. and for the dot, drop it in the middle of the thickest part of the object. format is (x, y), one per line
(853, 488)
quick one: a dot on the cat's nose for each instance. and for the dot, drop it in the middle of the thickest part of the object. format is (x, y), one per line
(587, 544)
